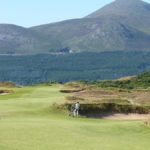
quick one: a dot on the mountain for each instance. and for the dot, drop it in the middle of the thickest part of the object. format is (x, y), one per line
(18, 40)
(107, 33)
(123, 25)
(135, 12)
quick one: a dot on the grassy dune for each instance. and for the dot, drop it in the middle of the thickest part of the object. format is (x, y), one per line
(29, 122)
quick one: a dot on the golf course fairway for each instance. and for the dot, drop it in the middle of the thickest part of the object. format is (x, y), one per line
(28, 121)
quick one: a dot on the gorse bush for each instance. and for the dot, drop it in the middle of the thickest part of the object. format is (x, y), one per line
(141, 81)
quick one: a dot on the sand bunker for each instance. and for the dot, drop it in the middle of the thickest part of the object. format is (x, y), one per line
(128, 116)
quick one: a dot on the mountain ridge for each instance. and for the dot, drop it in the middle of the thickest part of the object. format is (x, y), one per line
(138, 9)
(109, 29)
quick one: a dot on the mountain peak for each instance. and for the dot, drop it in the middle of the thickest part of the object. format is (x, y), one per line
(127, 0)
(123, 8)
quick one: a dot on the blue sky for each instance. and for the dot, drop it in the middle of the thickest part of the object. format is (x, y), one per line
(35, 12)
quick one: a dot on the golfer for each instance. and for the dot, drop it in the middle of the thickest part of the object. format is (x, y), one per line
(76, 109)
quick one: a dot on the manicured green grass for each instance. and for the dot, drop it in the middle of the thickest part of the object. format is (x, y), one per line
(28, 122)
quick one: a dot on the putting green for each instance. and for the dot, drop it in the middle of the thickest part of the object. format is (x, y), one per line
(29, 122)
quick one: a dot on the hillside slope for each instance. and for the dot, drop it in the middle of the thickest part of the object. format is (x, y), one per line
(19, 40)
(135, 82)
(121, 25)
(108, 33)
(135, 12)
